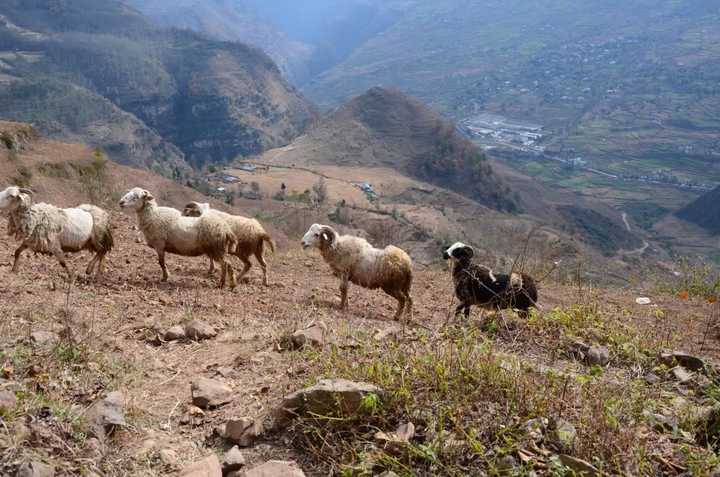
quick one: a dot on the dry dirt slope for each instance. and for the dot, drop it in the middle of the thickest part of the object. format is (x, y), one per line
(112, 345)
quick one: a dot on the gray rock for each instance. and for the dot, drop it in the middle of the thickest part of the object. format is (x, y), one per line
(687, 361)
(507, 464)
(313, 336)
(708, 425)
(597, 356)
(386, 334)
(244, 431)
(199, 330)
(210, 393)
(579, 466)
(42, 338)
(338, 397)
(208, 467)
(276, 468)
(168, 457)
(681, 375)
(35, 469)
(652, 378)
(8, 401)
(661, 422)
(536, 429)
(562, 434)
(175, 333)
(105, 415)
(233, 460)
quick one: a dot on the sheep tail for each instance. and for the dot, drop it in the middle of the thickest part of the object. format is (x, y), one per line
(271, 243)
(102, 238)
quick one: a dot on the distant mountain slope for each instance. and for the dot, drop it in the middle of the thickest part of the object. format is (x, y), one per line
(112, 79)
(705, 212)
(633, 79)
(386, 128)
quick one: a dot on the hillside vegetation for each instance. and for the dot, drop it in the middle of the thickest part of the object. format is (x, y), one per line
(101, 72)
(705, 212)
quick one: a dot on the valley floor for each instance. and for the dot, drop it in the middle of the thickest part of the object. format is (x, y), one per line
(109, 340)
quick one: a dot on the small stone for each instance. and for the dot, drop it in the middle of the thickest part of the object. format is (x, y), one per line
(106, 414)
(507, 464)
(233, 460)
(208, 467)
(8, 401)
(687, 361)
(597, 356)
(168, 457)
(313, 336)
(210, 393)
(563, 434)
(661, 422)
(42, 338)
(276, 468)
(199, 330)
(536, 428)
(328, 397)
(175, 333)
(579, 466)
(35, 469)
(387, 333)
(681, 375)
(244, 431)
(652, 378)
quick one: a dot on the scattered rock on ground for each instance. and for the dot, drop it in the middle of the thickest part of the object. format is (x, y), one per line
(210, 393)
(8, 401)
(597, 356)
(199, 330)
(35, 469)
(387, 333)
(661, 422)
(312, 336)
(329, 396)
(208, 467)
(276, 468)
(562, 434)
(168, 457)
(687, 361)
(244, 431)
(681, 375)
(507, 464)
(233, 460)
(708, 426)
(42, 338)
(175, 333)
(536, 428)
(106, 414)
(579, 466)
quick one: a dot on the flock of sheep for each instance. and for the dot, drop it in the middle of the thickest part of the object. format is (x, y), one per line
(201, 231)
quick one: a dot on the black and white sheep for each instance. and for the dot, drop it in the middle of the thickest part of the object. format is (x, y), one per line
(251, 236)
(478, 285)
(167, 231)
(46, 229)
(354, 260)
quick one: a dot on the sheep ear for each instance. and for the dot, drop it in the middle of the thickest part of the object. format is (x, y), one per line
(147, 195)
(470, 252)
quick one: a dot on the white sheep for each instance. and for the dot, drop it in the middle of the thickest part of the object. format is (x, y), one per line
(46, 229)
(250, 234)
(167, 231)
(353, 259)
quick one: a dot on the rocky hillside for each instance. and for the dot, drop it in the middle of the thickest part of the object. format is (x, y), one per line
(130, 376)
(386, 128)
(100, 72)
(705, 212)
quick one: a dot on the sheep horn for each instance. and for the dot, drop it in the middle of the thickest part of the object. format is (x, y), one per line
(26, 191)
(328, 231)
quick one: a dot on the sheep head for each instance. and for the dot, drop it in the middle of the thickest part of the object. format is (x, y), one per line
(320, 236)
(136, 199)
(459, 252)
(196, 209)
(14, 196)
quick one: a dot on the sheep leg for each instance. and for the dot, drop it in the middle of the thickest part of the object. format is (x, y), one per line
(223, 273)
(18, 252)
(161, 261)
(344, 284)
(92, 263)
(263, 264)
(402, 300)
(60, 256)
(211, 270)
(409, 307)
(246, 267)
(459, 309)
